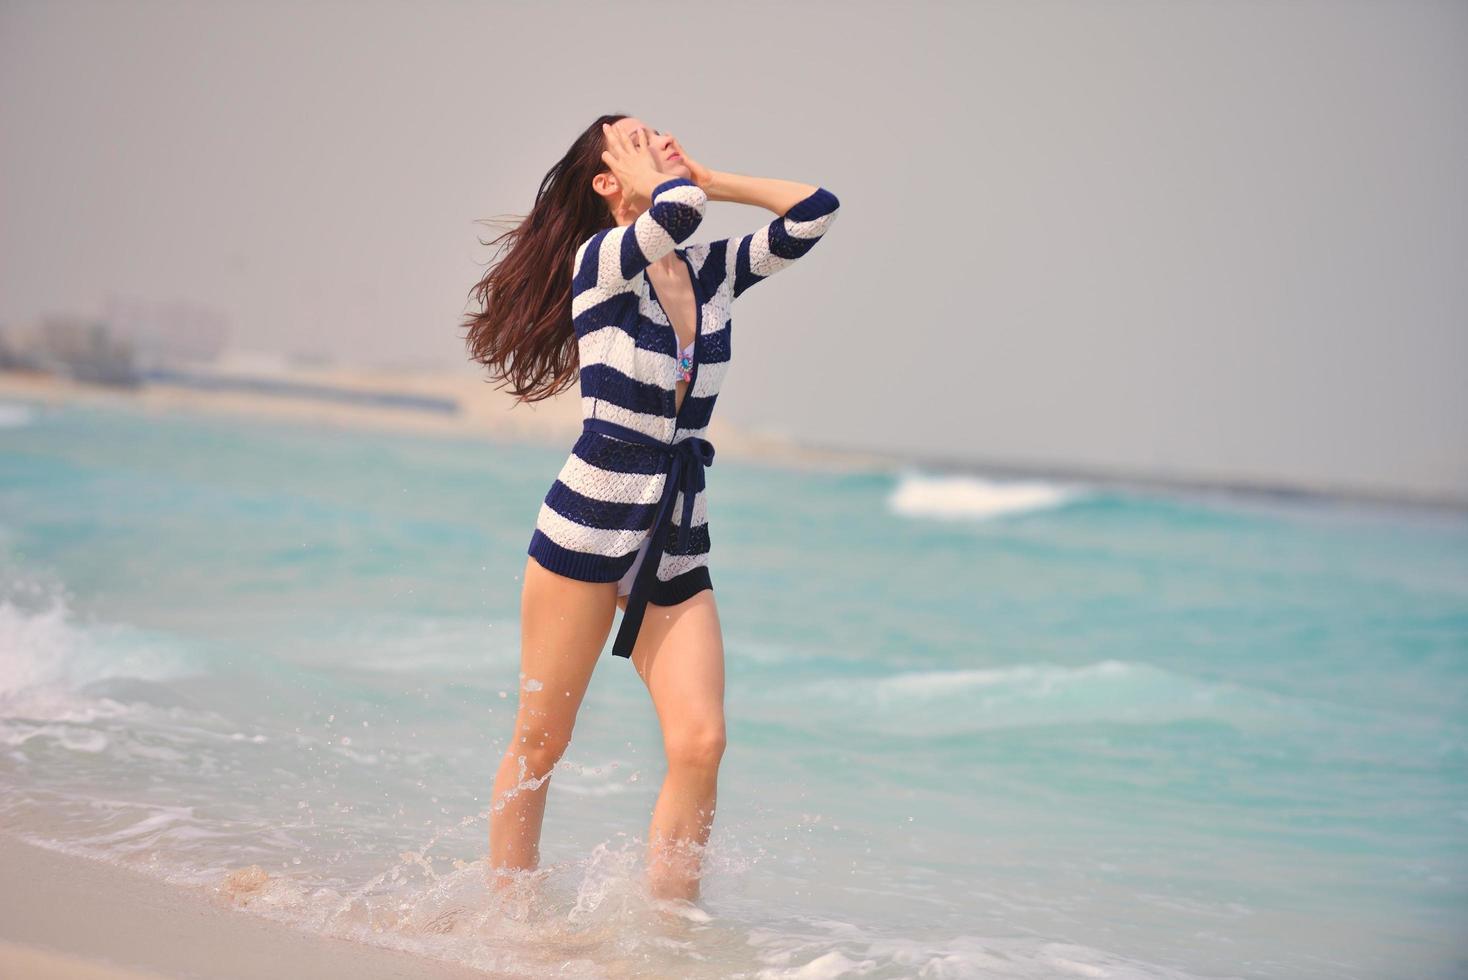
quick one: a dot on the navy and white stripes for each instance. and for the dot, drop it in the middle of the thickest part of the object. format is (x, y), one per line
(603, 501)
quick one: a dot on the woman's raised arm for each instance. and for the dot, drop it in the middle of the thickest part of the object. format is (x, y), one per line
(806, 213)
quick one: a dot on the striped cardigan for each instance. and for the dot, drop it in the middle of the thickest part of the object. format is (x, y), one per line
(605, 498)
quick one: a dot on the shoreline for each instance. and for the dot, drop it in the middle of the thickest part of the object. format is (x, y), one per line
(63, 915)
(487, 413)
(484, 412)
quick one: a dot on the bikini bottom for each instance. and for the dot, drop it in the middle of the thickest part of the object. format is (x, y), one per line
(624, 585)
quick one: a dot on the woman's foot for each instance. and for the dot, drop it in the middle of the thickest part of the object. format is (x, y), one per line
(517, 890)
(679, 908)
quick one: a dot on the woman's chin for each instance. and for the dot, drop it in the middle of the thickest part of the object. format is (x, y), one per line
(677, 169)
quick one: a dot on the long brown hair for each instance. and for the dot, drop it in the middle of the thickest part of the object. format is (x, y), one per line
(522, 332)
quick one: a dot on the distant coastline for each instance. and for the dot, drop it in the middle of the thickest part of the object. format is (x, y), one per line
(462, 404)
(213, 381)
(456, 404)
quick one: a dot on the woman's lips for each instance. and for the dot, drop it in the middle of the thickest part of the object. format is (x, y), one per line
(675, 156)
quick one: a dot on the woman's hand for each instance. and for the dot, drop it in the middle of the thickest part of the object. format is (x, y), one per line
(697, 172)
(633, 164)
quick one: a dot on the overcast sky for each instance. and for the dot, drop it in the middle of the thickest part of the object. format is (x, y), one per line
(1205, 239)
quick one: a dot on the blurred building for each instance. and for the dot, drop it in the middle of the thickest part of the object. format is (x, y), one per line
(163, 333)
(81, 348)
(132, 338)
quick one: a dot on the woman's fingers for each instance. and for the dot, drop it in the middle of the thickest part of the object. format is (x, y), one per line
(632, 142)
(628, 155)
(616, 155)
(625, 149)
(625, 146)
(614, 139)
(616, 142)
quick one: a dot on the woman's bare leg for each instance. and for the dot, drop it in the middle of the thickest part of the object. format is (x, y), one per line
(680, 656)
(563, 627)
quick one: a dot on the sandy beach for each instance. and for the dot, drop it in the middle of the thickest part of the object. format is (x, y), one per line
(64, 916)
(484, 412)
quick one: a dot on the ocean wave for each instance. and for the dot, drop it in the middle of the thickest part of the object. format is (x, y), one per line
(56, 669)
(969, 497)
(938, 703)
(847, 951)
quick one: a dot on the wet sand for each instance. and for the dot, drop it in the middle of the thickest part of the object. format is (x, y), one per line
(67, 916)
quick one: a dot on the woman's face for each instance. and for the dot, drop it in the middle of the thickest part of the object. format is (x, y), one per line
(664, 154)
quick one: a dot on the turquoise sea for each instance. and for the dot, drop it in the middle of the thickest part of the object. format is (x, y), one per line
(976, 729)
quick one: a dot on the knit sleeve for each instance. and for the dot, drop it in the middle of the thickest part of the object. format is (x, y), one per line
(755, 257)
(613, 256)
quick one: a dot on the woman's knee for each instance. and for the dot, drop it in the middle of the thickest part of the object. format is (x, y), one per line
(537, 749)
(700, 745)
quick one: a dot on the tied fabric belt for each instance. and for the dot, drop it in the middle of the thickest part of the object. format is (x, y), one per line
(686, 462)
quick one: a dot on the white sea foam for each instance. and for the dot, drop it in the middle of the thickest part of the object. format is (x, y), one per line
(55, 669)
(16, 415)
(968, 497)
(99, 692)
(993, 958)
(935, 703)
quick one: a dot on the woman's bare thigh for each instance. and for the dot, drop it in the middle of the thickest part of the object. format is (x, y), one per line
(564, 624)
(679, 655)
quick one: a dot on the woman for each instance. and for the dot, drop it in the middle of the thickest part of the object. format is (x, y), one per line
(597, 286)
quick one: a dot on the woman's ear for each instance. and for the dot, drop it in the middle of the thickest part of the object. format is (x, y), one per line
(605, 184)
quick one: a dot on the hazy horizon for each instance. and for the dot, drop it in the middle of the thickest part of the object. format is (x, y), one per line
(1218, 241)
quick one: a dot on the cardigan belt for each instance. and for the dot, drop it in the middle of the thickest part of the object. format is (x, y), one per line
(686, 461)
